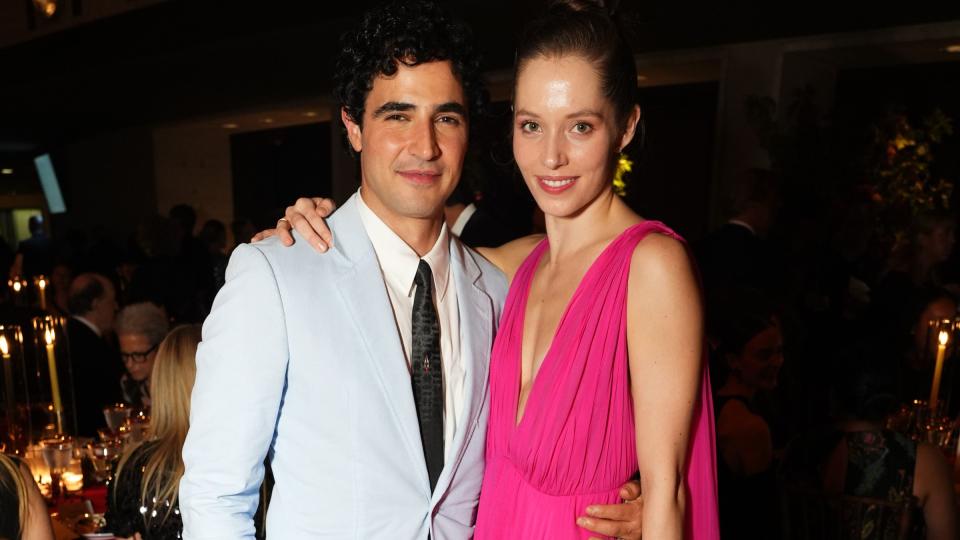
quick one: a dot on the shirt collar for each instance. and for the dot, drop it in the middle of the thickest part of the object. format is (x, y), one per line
(743, 224)
(463, 218)
(88, 324)
(398, 261)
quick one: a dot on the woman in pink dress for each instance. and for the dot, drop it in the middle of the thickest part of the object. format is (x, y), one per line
(597, 370)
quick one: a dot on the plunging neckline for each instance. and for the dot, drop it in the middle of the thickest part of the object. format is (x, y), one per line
(541, 249)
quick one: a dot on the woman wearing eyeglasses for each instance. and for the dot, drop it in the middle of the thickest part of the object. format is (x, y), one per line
(140, 329)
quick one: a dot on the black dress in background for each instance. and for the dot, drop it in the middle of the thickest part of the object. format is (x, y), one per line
(125, 513)
(748, 504)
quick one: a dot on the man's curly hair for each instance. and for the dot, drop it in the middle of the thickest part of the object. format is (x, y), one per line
(411, 32)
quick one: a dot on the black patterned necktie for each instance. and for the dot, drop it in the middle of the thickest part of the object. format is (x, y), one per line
(427, 372)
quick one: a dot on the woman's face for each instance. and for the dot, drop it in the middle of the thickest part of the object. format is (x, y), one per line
(565, 134)
(758, 366)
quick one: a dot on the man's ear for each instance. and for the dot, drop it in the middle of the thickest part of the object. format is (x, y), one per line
(353, 130)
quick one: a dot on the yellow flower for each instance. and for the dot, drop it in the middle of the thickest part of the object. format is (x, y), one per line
(624, 165)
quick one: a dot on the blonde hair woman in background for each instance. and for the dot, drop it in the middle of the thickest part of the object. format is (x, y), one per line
(23, 514)
(144, 496)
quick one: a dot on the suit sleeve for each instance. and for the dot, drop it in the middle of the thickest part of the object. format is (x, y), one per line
(241, 372)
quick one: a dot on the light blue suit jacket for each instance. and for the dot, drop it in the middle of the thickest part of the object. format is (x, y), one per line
(301, 358)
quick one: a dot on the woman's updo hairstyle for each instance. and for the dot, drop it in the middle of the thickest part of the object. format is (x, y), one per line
(587, 29)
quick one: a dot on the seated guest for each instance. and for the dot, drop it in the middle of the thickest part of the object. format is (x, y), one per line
(95, 360)
(143, 498)
(140, 329)
(857, 456)
(749, 349)
(23, 513)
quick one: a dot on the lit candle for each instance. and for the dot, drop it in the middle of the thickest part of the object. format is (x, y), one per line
(8, 378)
(72, 481)
(50, 338)
(42, 286)
(943, 338)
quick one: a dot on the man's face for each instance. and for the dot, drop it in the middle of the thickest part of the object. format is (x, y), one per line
(412, 141)
(138, 355)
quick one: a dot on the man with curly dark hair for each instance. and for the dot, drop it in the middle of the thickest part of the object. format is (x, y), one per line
(361, 373)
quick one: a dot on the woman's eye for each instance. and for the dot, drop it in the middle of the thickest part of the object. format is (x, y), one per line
(582, 127)
(529, 127)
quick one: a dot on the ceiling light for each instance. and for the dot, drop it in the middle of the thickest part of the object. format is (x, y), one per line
(955, 48)
(230, 125)
(6, 171)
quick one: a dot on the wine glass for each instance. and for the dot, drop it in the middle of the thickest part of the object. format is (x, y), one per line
(116, 414)
(104, 455)
(57, 452)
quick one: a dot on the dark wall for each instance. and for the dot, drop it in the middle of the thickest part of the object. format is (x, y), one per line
(272, 168)
(108, 182)
(673, 164)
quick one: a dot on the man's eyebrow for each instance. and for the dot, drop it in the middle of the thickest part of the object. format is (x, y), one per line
(452, 107)
(393, 106)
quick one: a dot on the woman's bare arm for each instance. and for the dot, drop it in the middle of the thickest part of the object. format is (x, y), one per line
(665, 344)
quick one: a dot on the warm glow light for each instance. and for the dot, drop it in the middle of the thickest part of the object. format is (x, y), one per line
(310, 114)
(955, 48)
(6, 171)
(230, 125)
(641, 78)
(17, 286)
(49, 336)
(268, 120)
(42, 284)
(4, 346)
(944, 338)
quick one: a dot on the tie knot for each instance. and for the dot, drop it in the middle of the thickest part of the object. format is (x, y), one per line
(424, 277)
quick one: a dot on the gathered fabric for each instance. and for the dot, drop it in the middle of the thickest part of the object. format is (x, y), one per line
(575, 444)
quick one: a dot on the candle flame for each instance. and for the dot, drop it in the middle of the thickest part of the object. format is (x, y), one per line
(42, 284)
(49, 336)
(16, 286)
(4, 346)
(944, 338)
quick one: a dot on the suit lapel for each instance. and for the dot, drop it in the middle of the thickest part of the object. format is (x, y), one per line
(476, 342)
(364, 294)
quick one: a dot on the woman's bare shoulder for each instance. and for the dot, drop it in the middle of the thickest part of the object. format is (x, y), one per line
(659, 257)
(511, 255)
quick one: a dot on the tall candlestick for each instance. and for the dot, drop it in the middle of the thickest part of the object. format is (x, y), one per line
(8, 380)
(943, 338)
(50, 338)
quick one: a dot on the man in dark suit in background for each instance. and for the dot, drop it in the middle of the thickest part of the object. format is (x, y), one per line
(736, 256)
(475, 227)
(94, 357)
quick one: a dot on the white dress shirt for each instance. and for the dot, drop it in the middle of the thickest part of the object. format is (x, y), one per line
(398, 264)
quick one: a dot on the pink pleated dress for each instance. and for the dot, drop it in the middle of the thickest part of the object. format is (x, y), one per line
(575, 445)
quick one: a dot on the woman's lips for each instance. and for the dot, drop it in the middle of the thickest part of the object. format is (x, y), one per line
(420, 177)
(556, 184)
